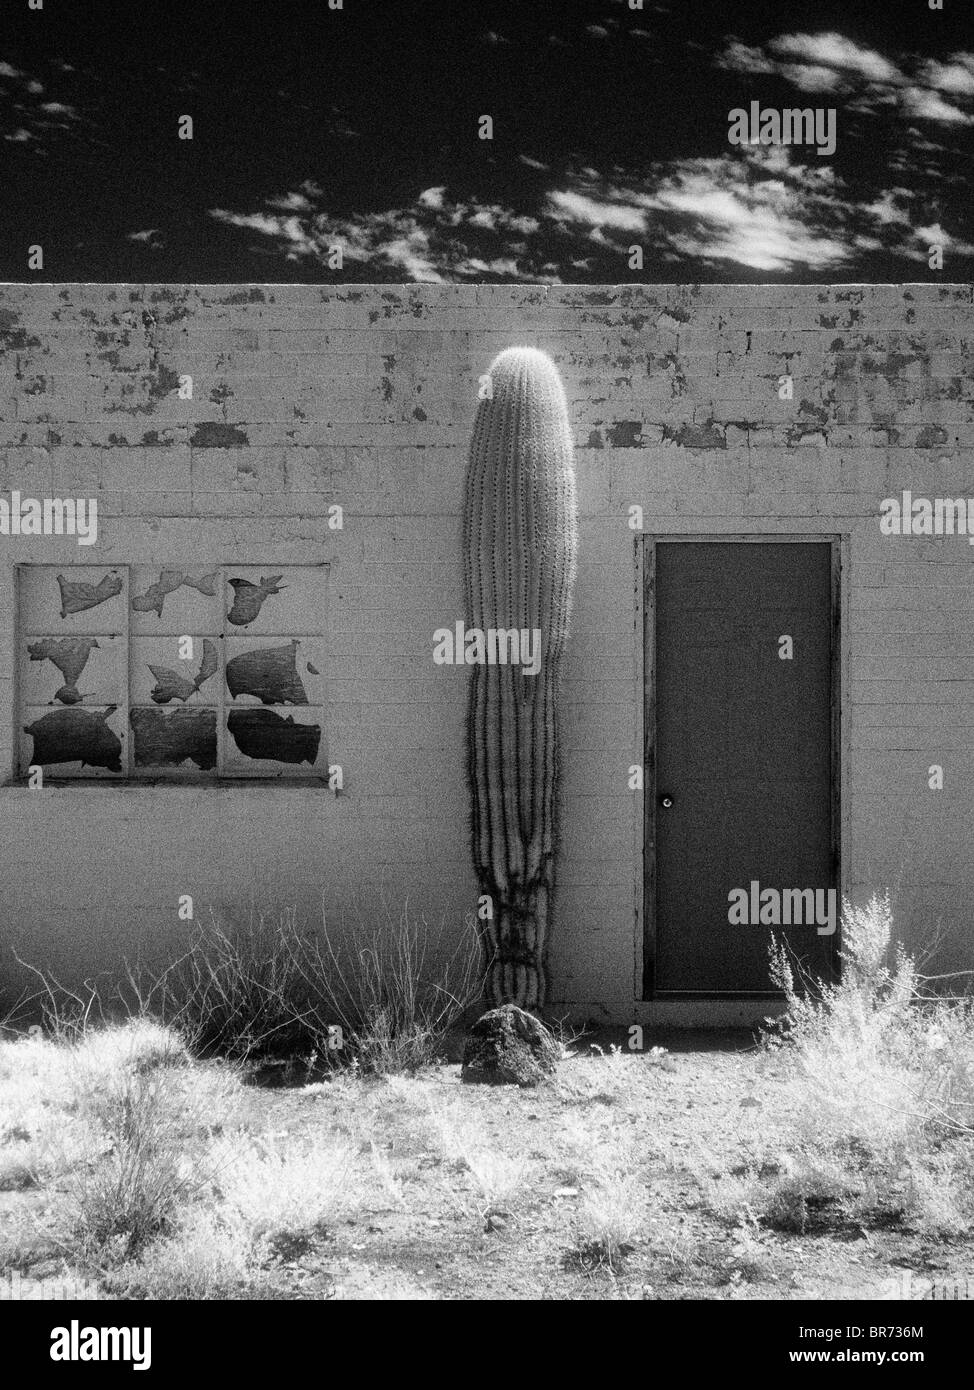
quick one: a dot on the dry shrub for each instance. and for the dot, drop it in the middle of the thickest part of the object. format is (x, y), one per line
(881, 1083)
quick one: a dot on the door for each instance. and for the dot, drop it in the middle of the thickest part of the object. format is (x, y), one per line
(740, 732)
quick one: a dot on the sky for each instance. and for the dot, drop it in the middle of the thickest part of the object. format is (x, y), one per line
(359, 128)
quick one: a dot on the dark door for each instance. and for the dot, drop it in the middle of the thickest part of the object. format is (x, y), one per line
(743, 751)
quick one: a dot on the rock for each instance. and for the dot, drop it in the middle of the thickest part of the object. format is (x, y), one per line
(507, 1046)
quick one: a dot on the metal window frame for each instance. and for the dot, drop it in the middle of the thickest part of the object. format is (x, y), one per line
(130, 776)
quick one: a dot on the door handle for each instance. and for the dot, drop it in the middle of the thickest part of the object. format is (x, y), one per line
(666, 801)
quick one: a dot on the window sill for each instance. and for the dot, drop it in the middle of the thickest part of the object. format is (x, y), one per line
(173, 783)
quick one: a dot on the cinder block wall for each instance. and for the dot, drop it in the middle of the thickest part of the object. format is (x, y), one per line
(307, 396)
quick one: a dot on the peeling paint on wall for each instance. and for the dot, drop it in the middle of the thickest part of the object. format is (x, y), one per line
(213, 434)
(626, 434)
(708, 435)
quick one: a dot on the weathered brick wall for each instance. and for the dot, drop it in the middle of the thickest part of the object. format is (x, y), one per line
(307, 396)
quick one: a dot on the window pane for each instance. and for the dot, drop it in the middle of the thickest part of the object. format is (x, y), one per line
(75, 599)
(168, 740)
(72, 670)
(287, 741)
(175, 600)
(73, 741)
(275, 671)
(176, 670)
(271, 599)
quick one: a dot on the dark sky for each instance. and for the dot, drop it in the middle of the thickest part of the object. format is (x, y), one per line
(359, 127)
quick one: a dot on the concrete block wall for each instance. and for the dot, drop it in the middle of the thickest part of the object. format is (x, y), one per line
(310, 396)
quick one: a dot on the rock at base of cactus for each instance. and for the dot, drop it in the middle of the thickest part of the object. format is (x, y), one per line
(508, 1046)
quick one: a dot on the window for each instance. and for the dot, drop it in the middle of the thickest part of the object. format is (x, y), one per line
(141, 672)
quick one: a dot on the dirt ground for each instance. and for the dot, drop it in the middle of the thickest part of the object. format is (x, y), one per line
(672, 1123)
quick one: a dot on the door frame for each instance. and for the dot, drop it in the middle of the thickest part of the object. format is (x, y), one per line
(646, 822)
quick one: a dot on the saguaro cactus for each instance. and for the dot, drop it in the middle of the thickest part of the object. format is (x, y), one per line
(521, 546)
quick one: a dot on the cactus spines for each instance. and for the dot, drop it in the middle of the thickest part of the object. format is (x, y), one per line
(521, 546)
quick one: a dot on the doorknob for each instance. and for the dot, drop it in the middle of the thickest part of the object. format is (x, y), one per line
(666, 801)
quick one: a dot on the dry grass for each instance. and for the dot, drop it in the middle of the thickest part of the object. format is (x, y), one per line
(380, 995)
(286, 1195)
(209, 1256)
(609, 1221)
(817, 1165)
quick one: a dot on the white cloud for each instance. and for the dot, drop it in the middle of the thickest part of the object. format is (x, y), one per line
(257, 221)
(739, 57)
(831, 63)
(493, 218)
(757, 209)
(811, 77)
(761, 224)
(39, 117)
(884, 212)
(500, 266)
(929, 106)
(955, 77)
(419, 242)
(935, 235)
(577, 207)
(432, 197)
(833, 50)
(762, 208)
(292, 202)
(151, 238)
(412, 254)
